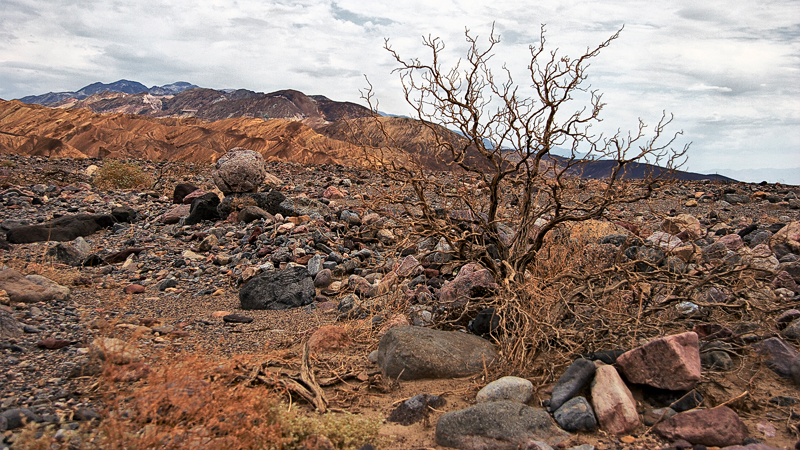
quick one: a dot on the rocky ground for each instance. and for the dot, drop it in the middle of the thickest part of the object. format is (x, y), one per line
(151, 288)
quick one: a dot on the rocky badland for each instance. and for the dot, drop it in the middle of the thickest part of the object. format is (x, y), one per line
(292, 264)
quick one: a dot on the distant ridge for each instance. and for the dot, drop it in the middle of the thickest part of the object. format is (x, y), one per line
(123, 86)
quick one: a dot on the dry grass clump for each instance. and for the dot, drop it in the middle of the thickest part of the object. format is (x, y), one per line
(198, 403)
(121, 175)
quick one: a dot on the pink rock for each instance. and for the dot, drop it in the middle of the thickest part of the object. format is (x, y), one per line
(174, 215)
(719, 427)
(333, 193)
(732, 241)
(471, 281)
(613, 402)
(134, 289)
(409, 267)
(193, 195)
(671, 362)
(328, 338)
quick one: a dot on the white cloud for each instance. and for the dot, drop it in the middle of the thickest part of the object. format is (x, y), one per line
(729, 70)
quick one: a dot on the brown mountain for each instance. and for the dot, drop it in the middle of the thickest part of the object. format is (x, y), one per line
(211, 105)
(56, 132)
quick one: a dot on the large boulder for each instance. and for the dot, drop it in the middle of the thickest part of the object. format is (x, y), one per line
(30, 289)
(411, 353)
(786, 240)
(718, 427)
(498, 426)
(239, 170)
(65, 228)
(671, 362)
(281, 289)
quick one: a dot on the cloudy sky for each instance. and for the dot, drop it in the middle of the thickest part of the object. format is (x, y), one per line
(728, 70)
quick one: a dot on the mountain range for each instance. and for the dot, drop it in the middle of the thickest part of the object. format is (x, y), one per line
(182, 121)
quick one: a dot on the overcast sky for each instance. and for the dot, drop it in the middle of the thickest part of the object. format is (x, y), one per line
(728, 70)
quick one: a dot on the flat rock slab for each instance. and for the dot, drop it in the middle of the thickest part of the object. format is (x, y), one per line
(719, 427)
(411, 353)
(31, 289)
(498, 426)
(671, 362)
(65, 228)
(282, 289)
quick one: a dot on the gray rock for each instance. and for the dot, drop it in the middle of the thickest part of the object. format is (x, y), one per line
(9, 326)
(282, 289)
(415, 409)
(794, 370)
(18, 417)
(780, 355)
(513, 389)
(411, 353)
(252, 213)
(736, 198)
(31, 289)
(576, 414)
(498, 426)
(302, 206)
(315, 265)
(716, 360)
(792, 331)
(62, 229)
(577, 375)
(239, 170)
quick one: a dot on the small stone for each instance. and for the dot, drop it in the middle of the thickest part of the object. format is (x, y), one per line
(613, 402)
(575, 415)
(236, 318)
(53, 344)
(329, 338)
(671, 362)
(415, 409)
(513, 389)
(134, 289)
(719, 427)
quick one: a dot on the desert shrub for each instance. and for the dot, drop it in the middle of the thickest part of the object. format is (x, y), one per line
(121, 175)
(194, 402)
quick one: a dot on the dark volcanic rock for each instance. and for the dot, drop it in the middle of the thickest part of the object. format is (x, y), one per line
(268, 201)
(282, 289)
(203, 208)
(415, 409)
(577, 375)
(64, 228)
(181, 191)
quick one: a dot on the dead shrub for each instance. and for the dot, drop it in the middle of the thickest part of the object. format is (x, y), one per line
(121, 175)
